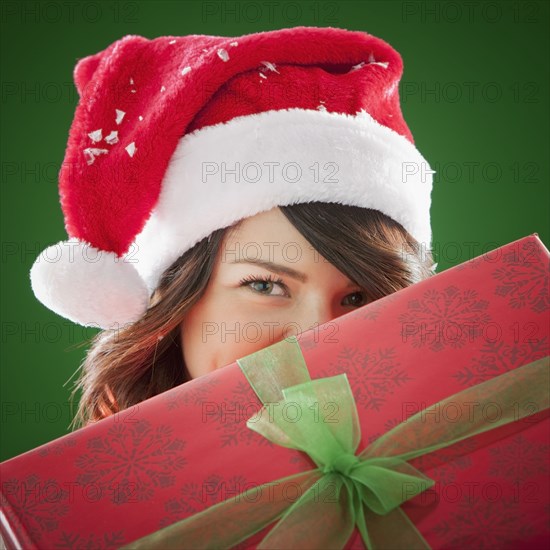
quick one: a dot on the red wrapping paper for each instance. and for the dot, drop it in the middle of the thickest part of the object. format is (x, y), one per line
(179, 452)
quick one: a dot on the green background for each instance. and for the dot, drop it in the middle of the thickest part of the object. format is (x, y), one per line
(474, 93)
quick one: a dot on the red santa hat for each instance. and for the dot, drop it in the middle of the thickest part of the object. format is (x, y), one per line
(178, 136)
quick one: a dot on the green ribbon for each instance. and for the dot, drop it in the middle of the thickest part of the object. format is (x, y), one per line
(346, 489)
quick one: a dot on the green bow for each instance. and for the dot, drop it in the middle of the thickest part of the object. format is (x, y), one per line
(320, 418)
(345, 490)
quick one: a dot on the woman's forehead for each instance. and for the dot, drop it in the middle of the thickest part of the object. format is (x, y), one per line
(268, 231)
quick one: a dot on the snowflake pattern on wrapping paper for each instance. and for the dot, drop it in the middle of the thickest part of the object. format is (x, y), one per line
(39, 503)
(131, 460)
(496, 358)
(444, 464)
(524, 281)
(451, 317)
(388, 425)
(195, 497)
(372, 311)
(484, 524)
(215, 489)
(523, 275)
(475, 263)
(373, 374)
(527, 252)
(230, 416)
(519, 460)
(57, 448)
(244, 392)
(105, 541)
(472, 263)
(182, 396)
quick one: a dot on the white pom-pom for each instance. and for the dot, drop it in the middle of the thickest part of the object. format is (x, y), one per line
(88, 286)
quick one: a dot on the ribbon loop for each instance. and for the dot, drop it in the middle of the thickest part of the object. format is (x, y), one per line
(343, 464)
(384, 487)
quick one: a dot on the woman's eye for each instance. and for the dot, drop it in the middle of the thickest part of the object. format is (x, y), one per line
(357, 299)
(269, 288)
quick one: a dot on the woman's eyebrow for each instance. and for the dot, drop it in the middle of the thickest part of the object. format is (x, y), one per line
(275, 268)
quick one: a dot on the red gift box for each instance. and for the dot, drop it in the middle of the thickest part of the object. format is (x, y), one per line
(182, 451)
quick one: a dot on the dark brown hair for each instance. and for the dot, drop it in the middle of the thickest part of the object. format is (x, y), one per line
(144, 358)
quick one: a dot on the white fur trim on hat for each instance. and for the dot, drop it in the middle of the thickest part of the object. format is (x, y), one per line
(88, 286)
(282, 157)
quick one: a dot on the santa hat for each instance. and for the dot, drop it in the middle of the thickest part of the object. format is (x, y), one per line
(178, 136)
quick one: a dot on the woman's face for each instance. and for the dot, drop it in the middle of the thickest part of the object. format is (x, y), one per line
(267, 284)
